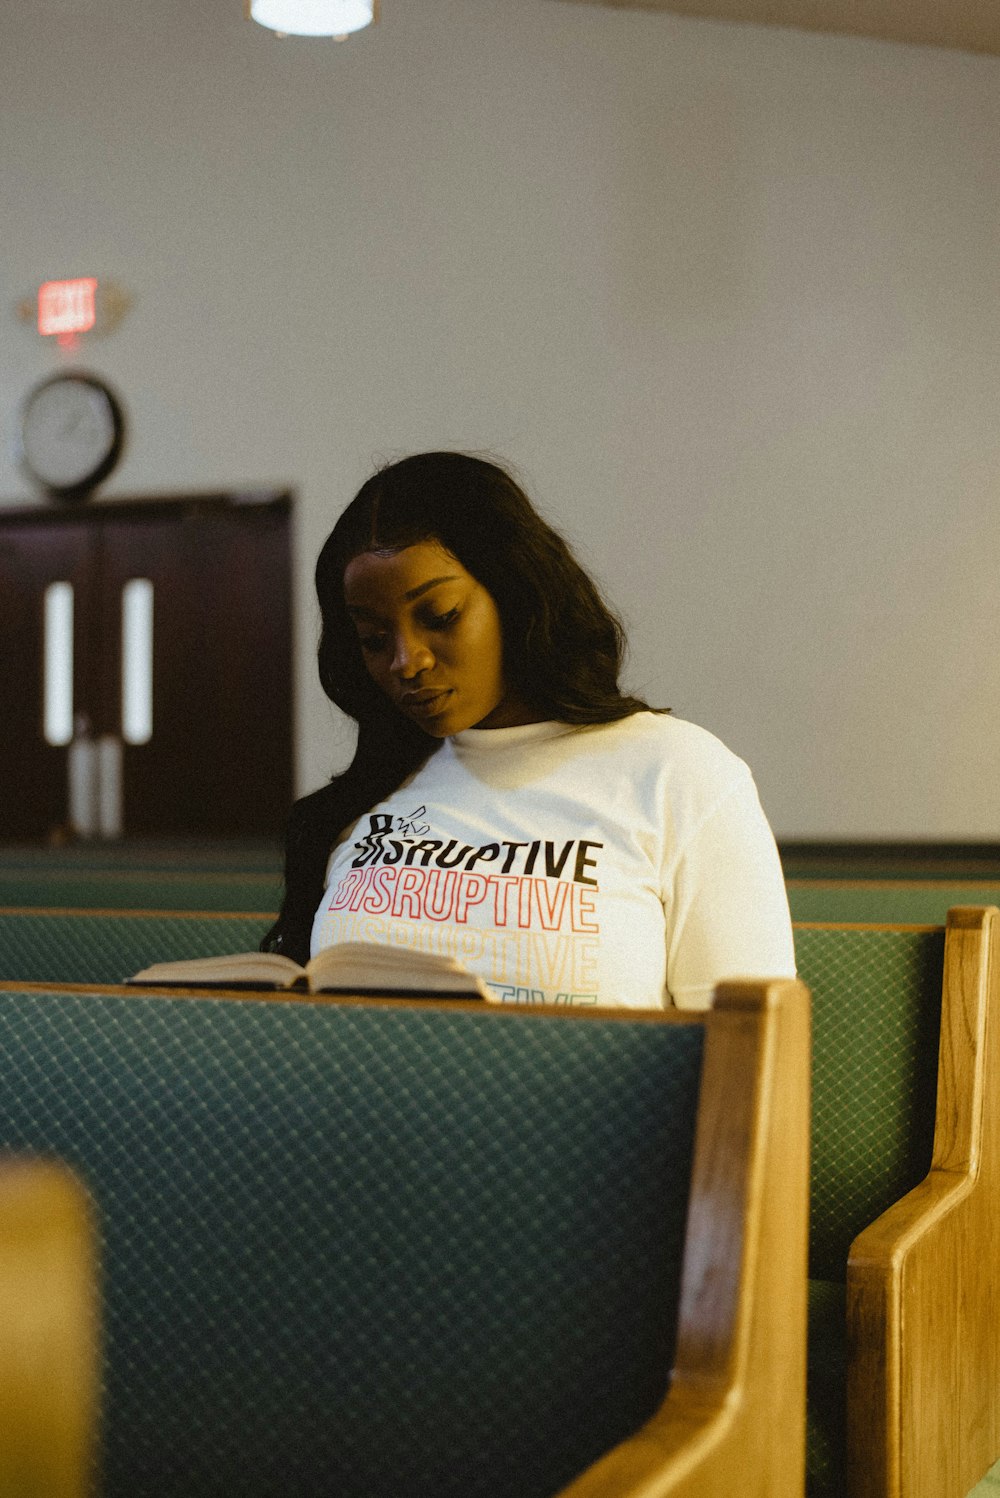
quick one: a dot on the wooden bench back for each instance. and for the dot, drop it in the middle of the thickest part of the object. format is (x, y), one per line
(362, 1247)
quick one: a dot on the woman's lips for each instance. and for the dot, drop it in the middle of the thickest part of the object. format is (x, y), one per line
(425, 704)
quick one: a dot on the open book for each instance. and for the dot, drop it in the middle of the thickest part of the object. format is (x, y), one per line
(350, 967)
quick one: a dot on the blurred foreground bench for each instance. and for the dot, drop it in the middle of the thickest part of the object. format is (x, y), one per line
(48, 1332)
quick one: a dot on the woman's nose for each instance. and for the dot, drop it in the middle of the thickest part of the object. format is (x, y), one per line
(411, 657)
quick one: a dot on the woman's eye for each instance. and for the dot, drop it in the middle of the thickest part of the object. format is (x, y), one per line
(372, 644)
(443, 621)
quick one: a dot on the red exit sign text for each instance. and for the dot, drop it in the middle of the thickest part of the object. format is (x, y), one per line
(67, 307)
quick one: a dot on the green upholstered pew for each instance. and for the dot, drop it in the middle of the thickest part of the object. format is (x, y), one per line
(936, 862)
(890, 902)
(877, 1078)
(156, 889)
(108, 946)
(130, 876)
(904, 1358)
(361, 1248)
(144, 856)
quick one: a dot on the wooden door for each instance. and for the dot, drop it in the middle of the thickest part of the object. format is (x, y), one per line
(33, 773)
(218, 761)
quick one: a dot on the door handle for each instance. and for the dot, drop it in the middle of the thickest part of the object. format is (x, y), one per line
(81, 770)
(110, 821)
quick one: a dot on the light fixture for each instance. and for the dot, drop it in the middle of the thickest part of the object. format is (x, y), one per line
(336, 18)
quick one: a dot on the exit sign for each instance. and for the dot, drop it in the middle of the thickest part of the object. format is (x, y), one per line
(67, 310)
(67, 307)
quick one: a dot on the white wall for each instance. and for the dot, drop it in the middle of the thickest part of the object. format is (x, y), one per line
(727, 298)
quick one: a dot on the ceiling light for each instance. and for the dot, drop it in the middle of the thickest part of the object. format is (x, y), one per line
(336, 18)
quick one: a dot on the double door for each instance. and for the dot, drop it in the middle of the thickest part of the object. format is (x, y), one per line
(145, 669)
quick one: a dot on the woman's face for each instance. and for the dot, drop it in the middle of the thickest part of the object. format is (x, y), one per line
(431, 639)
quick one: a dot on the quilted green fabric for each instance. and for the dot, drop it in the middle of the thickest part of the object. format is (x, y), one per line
(356, 1252)
(924, 901)
(238, 856)
(44, 948)
(876, 1024)
(934, 861)
(163, 890)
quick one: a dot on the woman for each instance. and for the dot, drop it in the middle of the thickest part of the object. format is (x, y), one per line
(507, 803)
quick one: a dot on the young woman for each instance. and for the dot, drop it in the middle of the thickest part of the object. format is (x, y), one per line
(507, 803)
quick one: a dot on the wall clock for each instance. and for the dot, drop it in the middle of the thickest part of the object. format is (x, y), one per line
(72, 434)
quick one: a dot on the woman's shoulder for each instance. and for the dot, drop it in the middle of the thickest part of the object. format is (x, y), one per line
(677, 741)
(670, 761)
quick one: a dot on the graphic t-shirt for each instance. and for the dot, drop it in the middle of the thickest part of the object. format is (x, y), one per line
(627, 863)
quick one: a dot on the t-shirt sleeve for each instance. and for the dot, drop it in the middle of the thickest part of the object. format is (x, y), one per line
(728, 910)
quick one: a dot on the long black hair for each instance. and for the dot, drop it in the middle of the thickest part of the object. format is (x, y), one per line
(563, 647)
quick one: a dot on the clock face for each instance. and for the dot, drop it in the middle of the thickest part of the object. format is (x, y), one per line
(71, 433)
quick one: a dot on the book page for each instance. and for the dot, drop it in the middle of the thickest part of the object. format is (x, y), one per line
(366, 967)
(236, 969)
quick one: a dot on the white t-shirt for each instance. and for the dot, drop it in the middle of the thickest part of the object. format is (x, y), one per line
(628, 863)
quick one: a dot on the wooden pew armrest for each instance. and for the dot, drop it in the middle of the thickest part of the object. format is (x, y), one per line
(924, 1352)
(905, 1228)
(736, 1402)
(679, 1452)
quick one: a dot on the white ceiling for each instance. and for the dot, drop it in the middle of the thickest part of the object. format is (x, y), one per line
(973, 25)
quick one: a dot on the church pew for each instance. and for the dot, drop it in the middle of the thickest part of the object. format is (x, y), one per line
(48, 1332)
(879, 861)
(891, 901)
(905, 1196)
(878, 997)
(434, 1249)
(157, 889)
(144, 856)
(108, 946)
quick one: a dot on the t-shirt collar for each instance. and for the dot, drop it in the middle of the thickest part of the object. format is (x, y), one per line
(489, 740)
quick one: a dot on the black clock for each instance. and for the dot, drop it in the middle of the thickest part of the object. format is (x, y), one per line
(72, 434)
